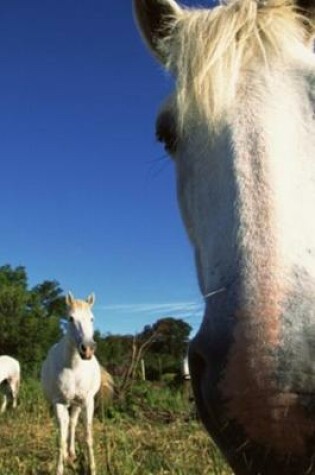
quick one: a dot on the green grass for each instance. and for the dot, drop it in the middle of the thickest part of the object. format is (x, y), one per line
(151, 431)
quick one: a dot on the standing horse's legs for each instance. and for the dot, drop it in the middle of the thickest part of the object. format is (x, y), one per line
(74, 415)
(4, 403)
(62, 415)
(6, 394)
(89, 411)
(14, 387)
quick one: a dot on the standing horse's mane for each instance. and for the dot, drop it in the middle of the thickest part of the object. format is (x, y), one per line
(207, 49)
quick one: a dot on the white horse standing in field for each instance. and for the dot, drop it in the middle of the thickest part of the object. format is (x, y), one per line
(71, 377)
(241, 129)
(10, 377)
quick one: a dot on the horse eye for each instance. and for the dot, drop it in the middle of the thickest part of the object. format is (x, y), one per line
(71, 319)
(166, 131)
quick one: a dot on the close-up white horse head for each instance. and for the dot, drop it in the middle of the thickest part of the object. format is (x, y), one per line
(80, 329)
(241, 131)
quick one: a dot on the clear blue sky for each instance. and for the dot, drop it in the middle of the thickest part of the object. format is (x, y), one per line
(87, 196)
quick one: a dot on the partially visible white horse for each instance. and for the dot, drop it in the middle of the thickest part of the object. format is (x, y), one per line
(10, 375)
(71, 377)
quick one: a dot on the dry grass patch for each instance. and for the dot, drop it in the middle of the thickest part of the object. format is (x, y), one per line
(124, 444)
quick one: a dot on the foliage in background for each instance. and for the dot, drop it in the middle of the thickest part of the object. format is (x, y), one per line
(30, 323)
(168, 348)
(29, 317)
(164, 344)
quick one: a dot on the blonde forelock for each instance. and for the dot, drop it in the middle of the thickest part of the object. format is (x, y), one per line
(208, 49)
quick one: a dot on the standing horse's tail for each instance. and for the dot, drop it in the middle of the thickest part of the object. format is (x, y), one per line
(106, 391)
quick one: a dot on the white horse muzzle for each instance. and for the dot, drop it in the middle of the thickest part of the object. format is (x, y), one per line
(87, 350)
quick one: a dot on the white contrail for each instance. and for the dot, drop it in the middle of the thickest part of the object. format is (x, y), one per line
(153, 308)
(131, 318)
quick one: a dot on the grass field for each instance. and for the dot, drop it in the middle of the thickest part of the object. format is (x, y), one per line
(151, 431)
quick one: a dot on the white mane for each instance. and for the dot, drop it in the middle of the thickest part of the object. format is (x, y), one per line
(207, 50)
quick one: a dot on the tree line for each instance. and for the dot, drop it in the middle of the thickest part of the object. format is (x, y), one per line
(32, 319)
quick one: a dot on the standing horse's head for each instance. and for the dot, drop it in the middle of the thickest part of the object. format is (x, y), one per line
(80, 325)
(240, 127)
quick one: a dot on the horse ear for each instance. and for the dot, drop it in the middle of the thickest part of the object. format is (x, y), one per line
(155, 19)
(91, 299)
(69, 299)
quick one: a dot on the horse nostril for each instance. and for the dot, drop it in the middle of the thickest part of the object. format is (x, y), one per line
(87, 349)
